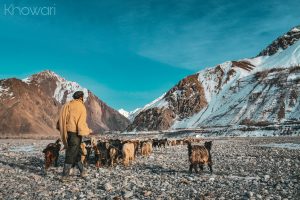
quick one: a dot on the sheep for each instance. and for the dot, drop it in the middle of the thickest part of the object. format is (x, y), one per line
(51, 154)
(200, 155)
(128, 153)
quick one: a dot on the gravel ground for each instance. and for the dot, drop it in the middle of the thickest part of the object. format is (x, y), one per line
(242, 170)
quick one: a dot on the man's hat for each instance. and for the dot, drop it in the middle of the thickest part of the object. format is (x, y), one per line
(78, 95)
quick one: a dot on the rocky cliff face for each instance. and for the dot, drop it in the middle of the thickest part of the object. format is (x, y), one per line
(26, 109)
(266, 97)
(187, 97)
(183, 100)
(260, 90)
(31, 106)
(101, 117)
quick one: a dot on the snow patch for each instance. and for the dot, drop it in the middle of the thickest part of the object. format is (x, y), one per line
(133, 114)
(281, 145)
(160, 102)
(130, 115)
(293, 77)
(287, 58)
(296, 29)
(248, 178)
(3, 90)
(29, 148)
(67, 88)
(257, 61)
(26, 80)
(124, 112)
(157, 103)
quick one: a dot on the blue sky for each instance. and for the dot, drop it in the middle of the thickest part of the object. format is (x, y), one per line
(129, 52)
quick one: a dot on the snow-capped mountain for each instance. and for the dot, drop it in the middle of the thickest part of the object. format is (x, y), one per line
(259, 90)
(129, 115)
(63, 89)
(124, 112)
(31, 105)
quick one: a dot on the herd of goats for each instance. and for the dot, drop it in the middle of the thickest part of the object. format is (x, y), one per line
(109, 152)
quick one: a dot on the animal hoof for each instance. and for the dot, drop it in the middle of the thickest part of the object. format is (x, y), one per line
(83, 174)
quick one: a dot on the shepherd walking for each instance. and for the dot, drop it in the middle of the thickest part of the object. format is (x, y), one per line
(72, 126)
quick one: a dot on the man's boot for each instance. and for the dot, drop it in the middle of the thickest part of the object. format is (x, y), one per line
(66, 172)
(82, 170)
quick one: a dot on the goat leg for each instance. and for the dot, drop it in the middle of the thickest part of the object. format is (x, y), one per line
(111, 162)
(196, 168)
(56, 161)
(210, 168)
(201, 167)
(98, 164)
(191, 168)
(98, 160)
(47, 165)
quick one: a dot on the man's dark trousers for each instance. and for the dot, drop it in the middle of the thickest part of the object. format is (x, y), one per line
(72, 152)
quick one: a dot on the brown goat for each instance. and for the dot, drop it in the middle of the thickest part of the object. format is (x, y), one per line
(128, 153)
(155, 143)
(198, 140)
(101, 153)
(172, 142)
(179, 142)
(113, 155)
(51, 154)
(83, 153)
(88, 150)
(162, 143)
(146, 148)
(200, 155)
(117, 144)
(136, 147)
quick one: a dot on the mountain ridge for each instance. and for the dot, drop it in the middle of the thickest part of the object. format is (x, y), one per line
(34, 103)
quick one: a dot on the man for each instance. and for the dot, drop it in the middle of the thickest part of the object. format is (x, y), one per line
(72, 125)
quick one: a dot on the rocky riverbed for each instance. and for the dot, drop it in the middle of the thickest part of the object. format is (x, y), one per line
(244, 168)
